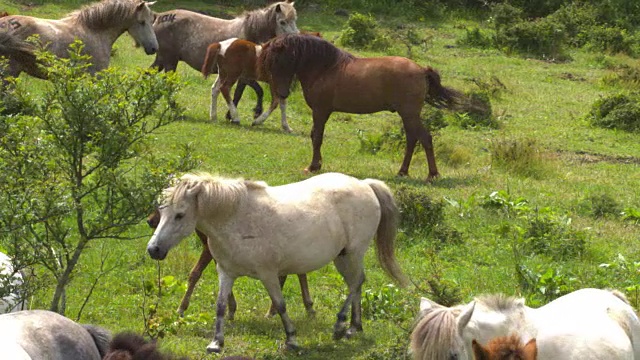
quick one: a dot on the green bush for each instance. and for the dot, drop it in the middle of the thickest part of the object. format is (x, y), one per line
(542, 38)
(475, 37)
(547, 233)
(603, 205)
(610, 39)
(620, 111)
(361, 32)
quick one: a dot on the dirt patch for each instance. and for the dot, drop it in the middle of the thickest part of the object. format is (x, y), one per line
(584, 157)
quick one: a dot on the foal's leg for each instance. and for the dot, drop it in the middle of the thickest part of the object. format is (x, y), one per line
(351, 268)
(215, 90)
(226, 284)
(274, 103)
(233, 111)
(317, 132)
(237, 95)
(272, 284)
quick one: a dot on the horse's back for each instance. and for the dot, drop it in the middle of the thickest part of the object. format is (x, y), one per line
(184, 35)
(593, 323)
(47, 335)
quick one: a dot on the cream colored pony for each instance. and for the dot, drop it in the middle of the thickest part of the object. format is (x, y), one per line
(587, 324)
(265, 232)
(97, 25)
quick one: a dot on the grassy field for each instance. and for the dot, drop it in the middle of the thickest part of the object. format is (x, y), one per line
(576, 170)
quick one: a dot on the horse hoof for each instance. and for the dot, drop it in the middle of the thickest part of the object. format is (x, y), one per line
(351, 332)
(214, 347)
(340, 330)
(235, 122)
(288, 130)
(293, 346)
(311, 313)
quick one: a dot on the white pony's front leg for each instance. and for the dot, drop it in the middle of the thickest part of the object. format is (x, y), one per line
(215, 91)
(283, 116)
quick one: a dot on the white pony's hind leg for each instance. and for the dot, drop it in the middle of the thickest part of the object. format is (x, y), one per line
(283, 115)
(215, 91)
(351, 268)
(272, 284)
(226, 284)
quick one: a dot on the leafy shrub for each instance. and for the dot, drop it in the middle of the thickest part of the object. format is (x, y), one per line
(475, 37)
(611, 39)
(504, 15)
(577, 19)
(631, 214)
(620, 111)
(540, 38)
(602, 205)
(547, 233)
(544, 284)
(386, 303)
(625, 274)
(520, 156)
(361, 32)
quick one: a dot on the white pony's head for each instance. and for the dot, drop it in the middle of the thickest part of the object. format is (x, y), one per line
(286, 17)
(178, 218)
(438, 332)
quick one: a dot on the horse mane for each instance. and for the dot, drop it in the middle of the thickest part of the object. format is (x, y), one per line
(131, 346)
(435, 334)
(291, 54)
(500, 302)
(103, 14)
(218, 194)
(257, 21)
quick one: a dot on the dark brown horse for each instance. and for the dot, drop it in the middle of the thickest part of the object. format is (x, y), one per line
(205, 258)
(131, 346)
(334, 80)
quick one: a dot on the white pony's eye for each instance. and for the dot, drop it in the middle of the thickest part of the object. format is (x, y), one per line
(142, 22)
(179, 216)
(283, 23)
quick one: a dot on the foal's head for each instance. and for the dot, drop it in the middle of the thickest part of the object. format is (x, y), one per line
(505, 348)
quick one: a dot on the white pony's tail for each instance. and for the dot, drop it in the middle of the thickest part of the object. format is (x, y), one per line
(628, 320)
(210, 59)
(18, 50)
(101, 337)
(387, 230)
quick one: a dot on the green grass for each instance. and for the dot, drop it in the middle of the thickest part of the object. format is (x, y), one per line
(541, 102)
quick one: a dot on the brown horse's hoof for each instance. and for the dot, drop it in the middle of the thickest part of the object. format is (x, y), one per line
(432, 177)
(403, 173)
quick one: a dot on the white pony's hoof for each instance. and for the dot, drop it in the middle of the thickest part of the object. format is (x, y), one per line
(287, 129)
(214, 347)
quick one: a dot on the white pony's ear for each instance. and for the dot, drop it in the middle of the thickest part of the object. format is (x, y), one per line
(465, 316)
(149, 3)
(426, 304)
(194, 190)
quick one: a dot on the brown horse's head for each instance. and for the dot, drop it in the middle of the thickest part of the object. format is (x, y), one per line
(3, 14)
(505, 348)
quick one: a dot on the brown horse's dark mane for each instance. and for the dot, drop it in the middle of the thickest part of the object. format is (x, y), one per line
(300, 54)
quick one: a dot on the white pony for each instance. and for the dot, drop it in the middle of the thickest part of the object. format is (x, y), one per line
(265, 232)
(587, 324)
(10, 282)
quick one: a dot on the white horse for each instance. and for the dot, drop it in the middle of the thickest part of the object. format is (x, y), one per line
(587, 324)
(265, 232)
(42, 334)
(11, 298)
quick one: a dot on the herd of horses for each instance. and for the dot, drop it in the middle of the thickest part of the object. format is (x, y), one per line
(268, 232)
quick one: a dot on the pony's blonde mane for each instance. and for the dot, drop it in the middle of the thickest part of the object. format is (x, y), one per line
(218, 195)
(260, 25)
(105, 13)
(435, 334)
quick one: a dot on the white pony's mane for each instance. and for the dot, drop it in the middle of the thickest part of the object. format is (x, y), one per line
(103, 14)
(435, 334)
(217, 194)
(500, 302)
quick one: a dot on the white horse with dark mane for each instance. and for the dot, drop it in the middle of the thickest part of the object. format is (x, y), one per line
(587, 324)
(265, 232)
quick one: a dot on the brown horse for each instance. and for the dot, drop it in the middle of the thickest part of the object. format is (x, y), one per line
(205, 258)
(334, 80)
(97, 25)
(184, 36)
(131, 346)
(505, 348)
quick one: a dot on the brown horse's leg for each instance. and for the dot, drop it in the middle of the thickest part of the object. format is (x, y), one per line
(306, 296)
(417, 132)
(317, 133)
(225, 90)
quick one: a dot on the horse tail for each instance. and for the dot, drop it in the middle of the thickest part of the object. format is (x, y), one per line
(438, 95)
(20, 51)
(387, 230)
(101, 337)
(210, 59)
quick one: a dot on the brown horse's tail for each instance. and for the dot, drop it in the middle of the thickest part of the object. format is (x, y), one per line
(387, 229)
(19, 51)
(211, 59)
(438, 95)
